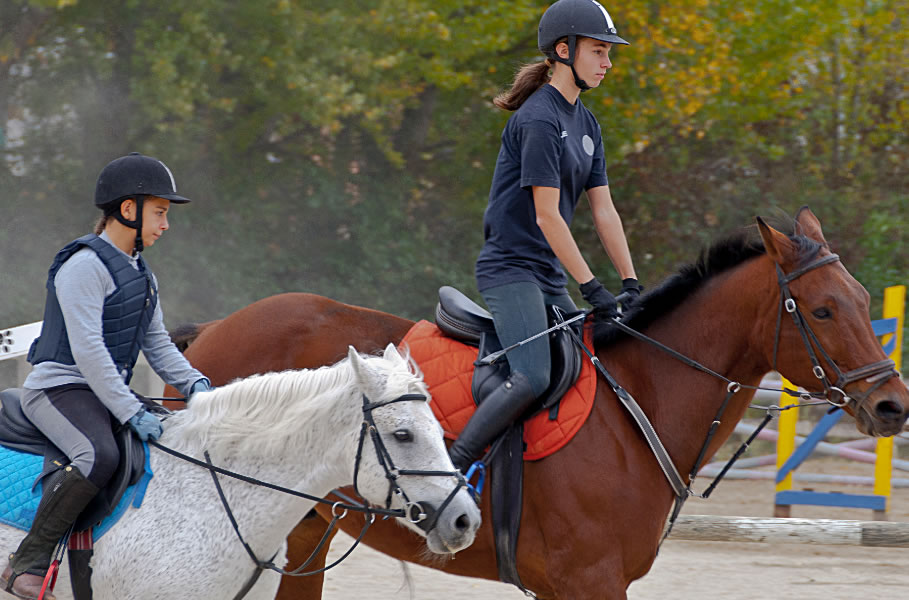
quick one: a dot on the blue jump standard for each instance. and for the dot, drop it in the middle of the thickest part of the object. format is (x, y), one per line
(790, 497)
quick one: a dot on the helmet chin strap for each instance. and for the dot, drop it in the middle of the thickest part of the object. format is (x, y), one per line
(135, 224)
(572, 44)
(582, 85)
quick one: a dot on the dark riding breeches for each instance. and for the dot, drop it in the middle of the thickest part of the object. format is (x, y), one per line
(77, 422)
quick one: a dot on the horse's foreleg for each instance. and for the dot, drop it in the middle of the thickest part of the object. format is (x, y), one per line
(300, 544)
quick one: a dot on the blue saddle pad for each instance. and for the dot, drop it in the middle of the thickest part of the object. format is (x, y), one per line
(19, 496)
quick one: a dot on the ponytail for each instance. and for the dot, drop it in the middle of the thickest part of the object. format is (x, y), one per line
(528, 79)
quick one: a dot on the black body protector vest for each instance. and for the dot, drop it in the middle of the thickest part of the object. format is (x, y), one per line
(127, 312)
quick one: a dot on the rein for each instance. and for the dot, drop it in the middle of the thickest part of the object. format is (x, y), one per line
(424, 517)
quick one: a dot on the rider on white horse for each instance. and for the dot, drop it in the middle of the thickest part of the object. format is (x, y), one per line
(102, 308)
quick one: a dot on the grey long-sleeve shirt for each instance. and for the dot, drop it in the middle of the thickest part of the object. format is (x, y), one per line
(82, 284)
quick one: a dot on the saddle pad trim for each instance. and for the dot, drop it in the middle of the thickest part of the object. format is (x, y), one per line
(19, 501)
(447, 366)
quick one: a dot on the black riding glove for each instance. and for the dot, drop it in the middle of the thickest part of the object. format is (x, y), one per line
(632, 291)
(600, 299)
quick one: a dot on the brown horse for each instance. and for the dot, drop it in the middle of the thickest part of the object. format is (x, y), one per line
(594, 512)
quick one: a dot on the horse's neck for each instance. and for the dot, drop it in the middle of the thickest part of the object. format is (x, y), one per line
(321, 455)
(683, 401)
(316, 456)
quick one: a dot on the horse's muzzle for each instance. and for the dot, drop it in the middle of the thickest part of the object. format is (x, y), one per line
(455, 526)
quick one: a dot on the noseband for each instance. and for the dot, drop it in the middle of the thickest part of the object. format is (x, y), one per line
(424, 516)
(876, 373)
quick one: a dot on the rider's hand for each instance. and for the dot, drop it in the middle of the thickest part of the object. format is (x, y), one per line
(202, 385)
(632, 290)
(146, 425)
(600, 299)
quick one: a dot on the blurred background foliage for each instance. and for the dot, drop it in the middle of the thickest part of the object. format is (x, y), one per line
(346, 149)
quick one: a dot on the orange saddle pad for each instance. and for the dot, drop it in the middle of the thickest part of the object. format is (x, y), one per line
(447, 367)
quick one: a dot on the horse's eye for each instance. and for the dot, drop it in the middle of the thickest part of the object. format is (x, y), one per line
(403, 435)
(822, 313)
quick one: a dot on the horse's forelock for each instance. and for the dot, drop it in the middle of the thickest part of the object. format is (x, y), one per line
(403, 377)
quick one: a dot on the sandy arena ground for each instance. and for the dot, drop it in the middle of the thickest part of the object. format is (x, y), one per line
(697, 570)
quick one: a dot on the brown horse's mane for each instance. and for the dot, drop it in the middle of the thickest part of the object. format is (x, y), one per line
(720, 256)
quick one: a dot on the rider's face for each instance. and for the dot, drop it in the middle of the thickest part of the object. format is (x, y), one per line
(592, 60)
(154, 219)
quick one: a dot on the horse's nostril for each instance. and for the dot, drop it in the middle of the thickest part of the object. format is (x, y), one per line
(888, 410)
(462, 523)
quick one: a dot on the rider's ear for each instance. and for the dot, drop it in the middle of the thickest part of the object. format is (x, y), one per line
(778, 245)
(809, 225)
(126, 209)
(563, 50)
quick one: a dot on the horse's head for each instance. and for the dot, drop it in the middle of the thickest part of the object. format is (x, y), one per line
(403, 461)
(823, 338)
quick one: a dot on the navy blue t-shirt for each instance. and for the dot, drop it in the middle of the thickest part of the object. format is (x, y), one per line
(550, 143)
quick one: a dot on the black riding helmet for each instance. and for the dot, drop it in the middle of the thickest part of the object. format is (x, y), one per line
(134, 176)
(572, 19)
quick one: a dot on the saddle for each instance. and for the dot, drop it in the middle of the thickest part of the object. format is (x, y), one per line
(462, 319)
(18, 433)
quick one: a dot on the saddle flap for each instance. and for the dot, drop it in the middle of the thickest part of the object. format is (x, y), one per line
(566, 362)
(129, 471)
(487, 377)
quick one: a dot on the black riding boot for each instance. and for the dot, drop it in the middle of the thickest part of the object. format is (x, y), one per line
(495, 413)
(66, 493)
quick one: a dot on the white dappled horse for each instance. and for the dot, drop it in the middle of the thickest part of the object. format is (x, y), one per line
(297, 429)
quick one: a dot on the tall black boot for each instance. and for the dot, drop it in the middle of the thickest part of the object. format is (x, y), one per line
(494, 414)
(66, 494)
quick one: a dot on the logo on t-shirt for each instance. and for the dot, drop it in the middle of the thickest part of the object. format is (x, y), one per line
(588, 144)
(564, 134)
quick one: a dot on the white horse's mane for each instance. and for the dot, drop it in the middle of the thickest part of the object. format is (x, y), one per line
(273, 414)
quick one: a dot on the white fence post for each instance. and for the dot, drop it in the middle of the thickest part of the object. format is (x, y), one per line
(14, 345)
(15, 341)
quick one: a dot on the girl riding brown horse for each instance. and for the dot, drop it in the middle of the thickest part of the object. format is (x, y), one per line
(594, 512)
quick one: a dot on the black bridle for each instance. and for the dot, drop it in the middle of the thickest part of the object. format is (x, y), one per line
(877, 373)
(424, 516)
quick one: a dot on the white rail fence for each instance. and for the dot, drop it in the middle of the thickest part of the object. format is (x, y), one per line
(14, 345)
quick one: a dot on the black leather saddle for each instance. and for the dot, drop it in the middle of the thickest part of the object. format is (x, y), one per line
(18, 433)
(460, 318)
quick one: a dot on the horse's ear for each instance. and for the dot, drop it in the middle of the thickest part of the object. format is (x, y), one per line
(778, 245)
(809, 225)
(391, 353)
(361, 371)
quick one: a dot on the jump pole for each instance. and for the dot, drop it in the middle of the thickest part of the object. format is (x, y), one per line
(710, 528)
